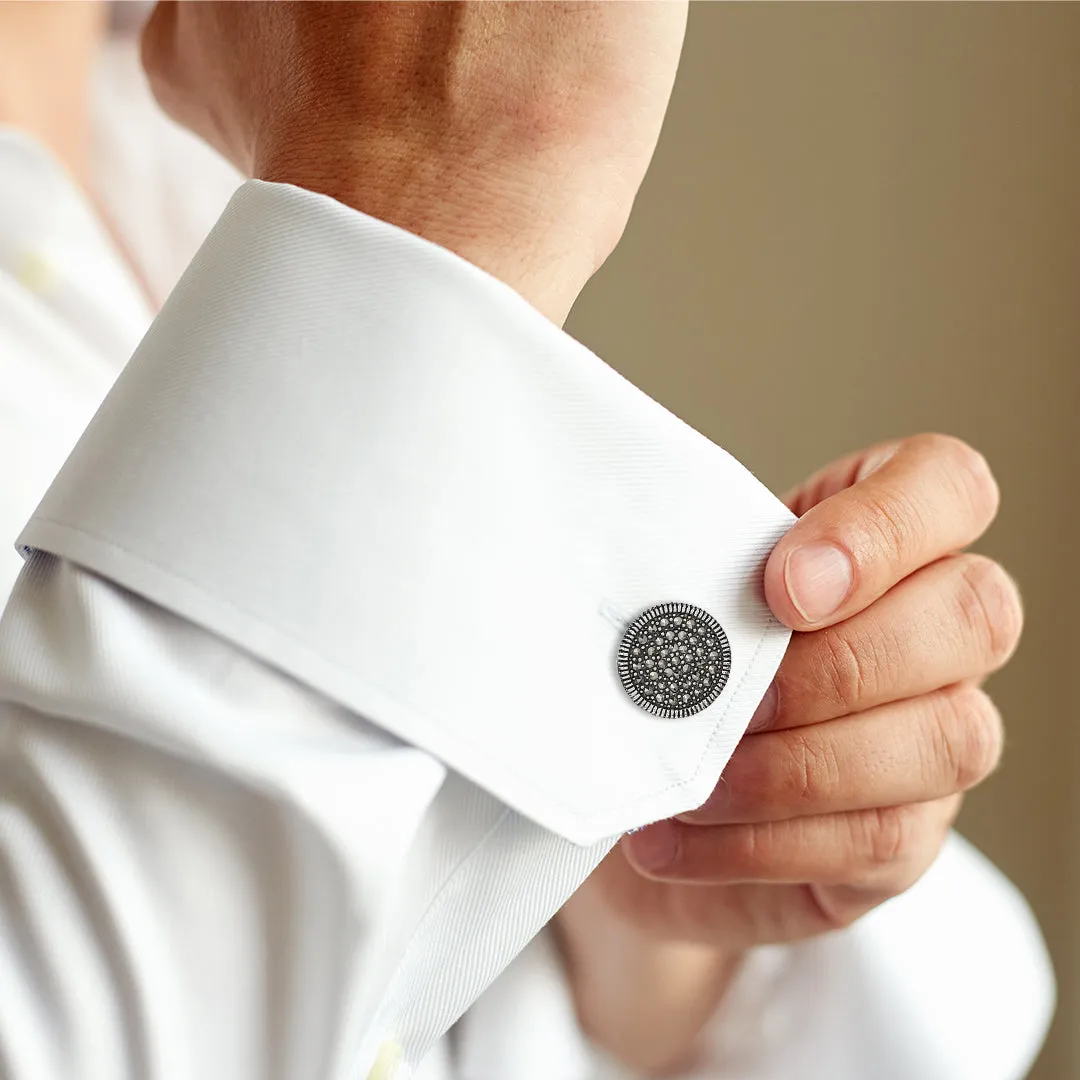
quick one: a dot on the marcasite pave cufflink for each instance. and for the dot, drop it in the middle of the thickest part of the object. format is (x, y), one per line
(674, 660)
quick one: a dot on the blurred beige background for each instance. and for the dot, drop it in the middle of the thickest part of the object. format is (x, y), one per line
(863, 220)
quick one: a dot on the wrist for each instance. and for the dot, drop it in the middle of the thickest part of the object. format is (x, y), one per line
(497, 220)
(644, 1000)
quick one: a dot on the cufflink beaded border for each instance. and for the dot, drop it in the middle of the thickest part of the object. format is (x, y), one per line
(674, 660)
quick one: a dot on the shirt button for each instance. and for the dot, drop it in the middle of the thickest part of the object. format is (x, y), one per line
(35, 272)
(386, 1061)
(674, 660)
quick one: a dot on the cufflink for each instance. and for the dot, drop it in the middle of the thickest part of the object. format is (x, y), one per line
(674, 660)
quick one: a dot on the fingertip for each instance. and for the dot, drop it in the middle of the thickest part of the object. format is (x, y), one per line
(776, 590)
(808, 582)
(654, 848)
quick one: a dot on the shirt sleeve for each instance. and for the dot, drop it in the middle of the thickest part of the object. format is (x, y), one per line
(309, 710)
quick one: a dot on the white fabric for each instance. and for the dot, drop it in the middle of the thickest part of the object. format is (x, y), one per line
(476, 509)
(948, 982)
(292, 821)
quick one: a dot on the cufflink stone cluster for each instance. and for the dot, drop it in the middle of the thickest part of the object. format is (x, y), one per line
(674, 660)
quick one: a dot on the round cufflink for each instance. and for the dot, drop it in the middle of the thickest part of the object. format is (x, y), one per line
(674, 660)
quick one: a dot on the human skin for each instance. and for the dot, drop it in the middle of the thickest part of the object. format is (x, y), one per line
(47, 52)
(517, 135)
(843, 792)
(514, 134)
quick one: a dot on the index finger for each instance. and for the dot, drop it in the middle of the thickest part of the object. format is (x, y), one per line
(933, 496)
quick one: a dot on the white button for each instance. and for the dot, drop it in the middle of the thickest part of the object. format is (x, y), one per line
(35, 272)
(386, 1061)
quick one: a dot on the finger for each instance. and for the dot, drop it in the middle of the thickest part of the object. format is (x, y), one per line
(958, 618)
(876, 851)
(838, 475)
(840, 905)
(933, 496)
(904, 752)
(732, 917)
(742, 915)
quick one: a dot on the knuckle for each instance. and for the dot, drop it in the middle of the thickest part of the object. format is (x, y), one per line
(892, 524)
(990, 607)
(890, 835)
(969, 472)
(970, 737)
(812, 773)
(898, 879)
(845, 673)
(891, 848)
(837, 908)
(935, 443)
(747, 850)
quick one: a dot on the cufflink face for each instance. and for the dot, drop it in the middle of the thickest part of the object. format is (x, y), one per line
(674, 660)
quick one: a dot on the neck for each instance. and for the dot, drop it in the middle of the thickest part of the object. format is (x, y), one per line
(47, 55)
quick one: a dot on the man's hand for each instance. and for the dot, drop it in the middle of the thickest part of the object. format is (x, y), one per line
(514, 134)
(843, 793)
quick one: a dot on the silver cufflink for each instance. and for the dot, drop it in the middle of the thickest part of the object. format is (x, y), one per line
(674, 660)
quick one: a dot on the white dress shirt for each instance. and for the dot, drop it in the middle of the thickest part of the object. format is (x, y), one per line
(310, 718)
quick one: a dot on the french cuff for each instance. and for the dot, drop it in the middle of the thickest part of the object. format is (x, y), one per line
(378, 469)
